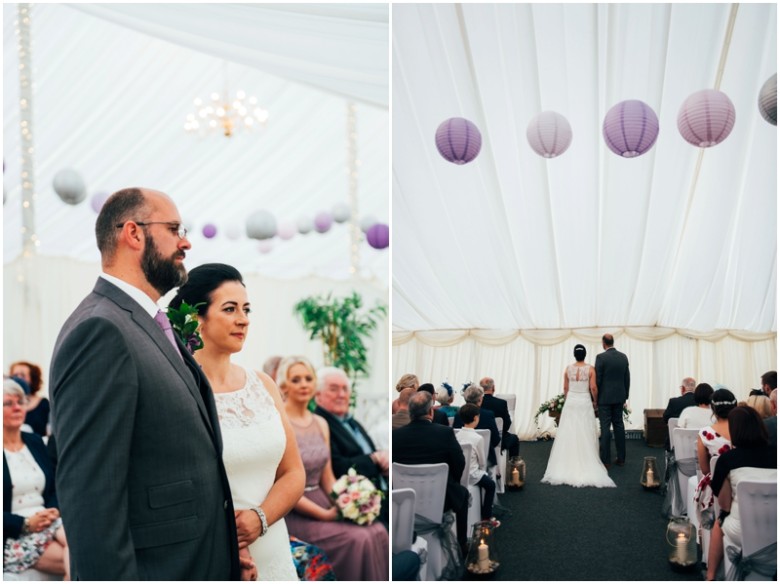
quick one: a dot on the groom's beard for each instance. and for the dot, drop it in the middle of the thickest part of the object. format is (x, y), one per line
(163, 274)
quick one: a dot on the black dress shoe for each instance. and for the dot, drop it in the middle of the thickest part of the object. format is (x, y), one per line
(620, 462)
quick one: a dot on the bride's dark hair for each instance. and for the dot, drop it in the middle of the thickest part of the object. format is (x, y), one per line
(579, 352)
(201, 282)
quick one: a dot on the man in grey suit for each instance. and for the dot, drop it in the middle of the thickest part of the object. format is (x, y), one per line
(142, 489)
(613, 380)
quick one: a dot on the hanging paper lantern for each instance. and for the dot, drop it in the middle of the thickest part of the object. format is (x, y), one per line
(266, 246)
(341, 212)
(706, 118)
(69, 186)
(767, 100)
(209, 230)
(549, 134)
(261, 225)
(367, 223)
(630, 128)
(286, 231)
(322, 222)
(378, 236)
(458, 140)
(98, 200)
(233, 231)
(304, 224)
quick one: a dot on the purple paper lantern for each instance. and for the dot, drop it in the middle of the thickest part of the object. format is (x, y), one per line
(378, 236)
(322, 222)
(706, 118)
(549, 134)
(286, 231)
(209, 230)
(98, 200)
(458, 140)
(767, 100)
(630, 128)
(265, 246)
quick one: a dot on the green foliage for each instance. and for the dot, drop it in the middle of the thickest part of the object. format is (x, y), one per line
(184, 322)
(342, 326)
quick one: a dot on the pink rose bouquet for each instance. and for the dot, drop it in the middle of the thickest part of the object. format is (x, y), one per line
(356, 498)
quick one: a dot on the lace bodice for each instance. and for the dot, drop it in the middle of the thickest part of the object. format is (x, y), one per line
(578, 378)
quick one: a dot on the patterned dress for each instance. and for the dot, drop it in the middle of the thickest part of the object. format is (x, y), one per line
(716, 445)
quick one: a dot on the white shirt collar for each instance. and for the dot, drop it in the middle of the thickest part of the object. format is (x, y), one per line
(135, 293)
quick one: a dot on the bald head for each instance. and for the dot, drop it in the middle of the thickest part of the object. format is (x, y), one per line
(404, 397)
(607, 341)
(488, 385)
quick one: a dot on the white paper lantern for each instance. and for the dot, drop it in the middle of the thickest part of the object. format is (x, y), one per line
(261, 225)
(549, 134)
(286, 231)
(69, 186)
(706, 118)
(233, 232)
(367, 222)
(341, 212)
(265, 246)
(305, 224)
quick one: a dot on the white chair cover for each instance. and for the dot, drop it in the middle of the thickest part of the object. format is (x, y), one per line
(757, 560)
(475, 493)
(685, 463)
(403, 501)
(501, 458)
(429, 482)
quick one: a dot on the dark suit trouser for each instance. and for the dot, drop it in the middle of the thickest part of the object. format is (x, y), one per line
(510, 443)
(488, 485)
(611, 414)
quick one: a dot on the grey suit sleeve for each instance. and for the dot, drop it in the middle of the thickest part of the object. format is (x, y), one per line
(94, 389)
(599, 367)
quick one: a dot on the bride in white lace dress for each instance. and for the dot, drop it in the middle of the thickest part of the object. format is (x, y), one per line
(259, 448)
(574, 459)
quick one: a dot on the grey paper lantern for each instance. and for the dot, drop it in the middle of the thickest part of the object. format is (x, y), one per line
(305, 224)
(341, 212)
(69, 186)
(367, 223)
(767, 100)
(261, 225)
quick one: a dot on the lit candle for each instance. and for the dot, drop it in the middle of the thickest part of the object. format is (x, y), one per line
(682, 541)
(515, 476)
(650, 477)
(484, 558)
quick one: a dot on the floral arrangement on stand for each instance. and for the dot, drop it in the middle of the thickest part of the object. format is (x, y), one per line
(357, 498)
(184, 322)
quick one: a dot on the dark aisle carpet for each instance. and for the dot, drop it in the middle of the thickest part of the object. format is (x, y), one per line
(567, 533)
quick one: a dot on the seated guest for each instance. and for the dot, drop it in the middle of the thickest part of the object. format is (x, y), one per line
(752, 458)
(509, 442)
(768, 383)
(699, 415)
(407, 380)
(357, 552)
(271, 365)
(487, 420)
(771, 422)
(38, 407)
(423, 442)
(350, 444)
(761, 404)
(676, 405)
(401, 417)
(33, 536)
(439, 417)
(469, 413)
(445, 395)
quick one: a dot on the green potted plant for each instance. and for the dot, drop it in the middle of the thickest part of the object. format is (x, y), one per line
(342, 325)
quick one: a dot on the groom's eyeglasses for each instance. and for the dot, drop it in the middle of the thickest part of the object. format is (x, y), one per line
(174, 226)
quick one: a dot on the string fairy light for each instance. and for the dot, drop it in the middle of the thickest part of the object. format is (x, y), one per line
(352, 170)
(29, 237)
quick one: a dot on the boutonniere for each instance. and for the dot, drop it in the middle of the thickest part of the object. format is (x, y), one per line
(184, 322)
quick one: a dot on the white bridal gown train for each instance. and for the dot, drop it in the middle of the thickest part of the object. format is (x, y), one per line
(574, 459)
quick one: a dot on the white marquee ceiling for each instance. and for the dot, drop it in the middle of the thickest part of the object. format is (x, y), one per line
(677, 238)
(113, 85)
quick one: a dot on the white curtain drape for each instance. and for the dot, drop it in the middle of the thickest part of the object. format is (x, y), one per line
(530, 364)
(40, 293)
(341, 48)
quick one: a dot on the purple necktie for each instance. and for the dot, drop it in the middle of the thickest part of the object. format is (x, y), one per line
(165, 325)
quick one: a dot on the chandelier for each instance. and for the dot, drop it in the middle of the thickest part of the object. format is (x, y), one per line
(220, 113)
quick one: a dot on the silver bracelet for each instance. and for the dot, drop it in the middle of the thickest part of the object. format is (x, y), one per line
(263, 520)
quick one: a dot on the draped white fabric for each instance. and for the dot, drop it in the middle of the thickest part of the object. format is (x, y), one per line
(39, 294)
(110, 101)
(530, 364)
(587, 239)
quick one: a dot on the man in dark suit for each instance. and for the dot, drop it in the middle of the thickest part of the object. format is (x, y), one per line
(509, 442)
(439, 417)
(423, 442)
(677, 404)
(140, 479)
(350, 444)
(613, 380)
(487, 420)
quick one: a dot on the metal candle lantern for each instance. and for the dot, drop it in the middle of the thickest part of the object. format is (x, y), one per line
(650, 478)
(681, 536)
(482, 559)
(515, 473)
